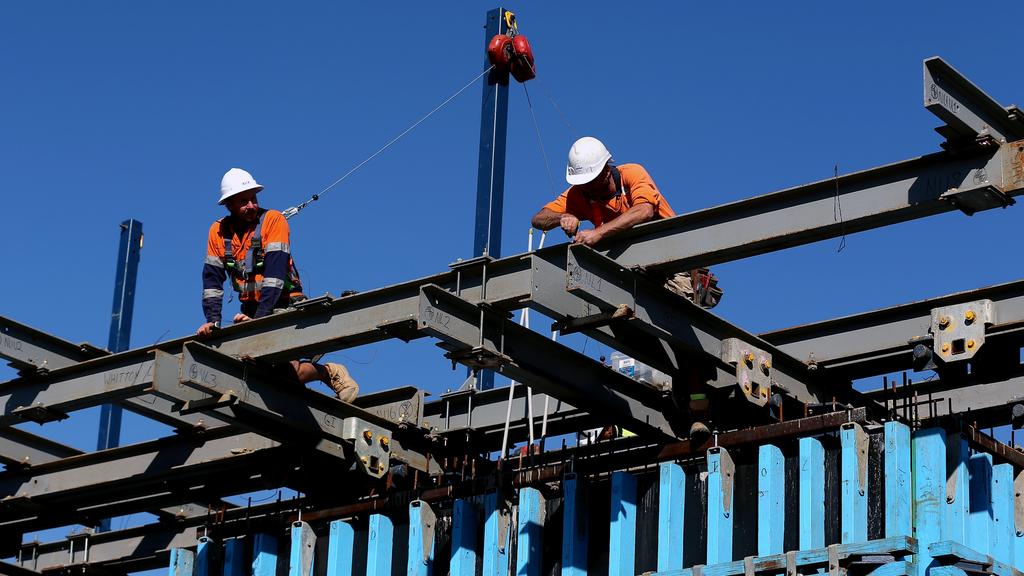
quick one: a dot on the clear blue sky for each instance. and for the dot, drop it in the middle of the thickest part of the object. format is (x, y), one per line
(115, 110)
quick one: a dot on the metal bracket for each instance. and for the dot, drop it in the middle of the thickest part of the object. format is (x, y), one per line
(210, 403)
(479, 358)
(427, 522)
(833, 560)
(372, 445)
(572, 325)
(504, 522)
(748, 566)
(862, 441)
(791, 563)
(728, 470)
(38, 413)
(971, 200)
(753, 369)
(959, 330)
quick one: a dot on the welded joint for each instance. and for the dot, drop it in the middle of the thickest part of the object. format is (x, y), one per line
(371, 444)
(958, 331)
(427, 522)
(861, 443)
(753, 369)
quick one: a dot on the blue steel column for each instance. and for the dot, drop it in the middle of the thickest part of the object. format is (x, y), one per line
(898, 521)
(379, 545)
(340, 544)
(929, 493)
(529, 559)
(812, 494)
(574, 528)
(109, 434)
(771, 500)
(182, 562)
(264, 555)
(234, 554)
(463, 539)
(720, 496)
(1003, 532)
(958, 488)
(671, 515)
(854, 495)
(979, 534)
(206, 556)
(490, 181)
(622, 537)
(1018, 519)
(496, 538)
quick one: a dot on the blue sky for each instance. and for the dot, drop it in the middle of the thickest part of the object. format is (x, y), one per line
(115, 110)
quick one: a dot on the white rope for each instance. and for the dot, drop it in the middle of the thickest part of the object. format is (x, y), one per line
(524, 320)
(296, 209)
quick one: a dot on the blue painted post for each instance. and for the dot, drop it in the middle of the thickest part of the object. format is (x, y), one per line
(1018, 517)
(379, 545)
(671, 513)
(771, 500)
(980, 521)
(854, 485)
(463, 561)
(496, 538)
(622, 537)
(531, 524)
(812, 494)
(1003, 532)
(574, 528)
(341, 542)
(958, 488)
(897, 480)
(264, 555)
(421, 539)
(234, 557)
(207, 553)
(721, 472)
(182, 562)
(929, 492)
(300, 557)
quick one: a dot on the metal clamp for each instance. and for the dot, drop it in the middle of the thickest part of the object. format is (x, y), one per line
(372, 445)
(753, 369)
(959, 330)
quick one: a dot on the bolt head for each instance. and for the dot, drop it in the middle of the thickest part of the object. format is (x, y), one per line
(944, 322)
(945, 348)
(368, 435)
(970, 344)
(970, 316)
(749, 358)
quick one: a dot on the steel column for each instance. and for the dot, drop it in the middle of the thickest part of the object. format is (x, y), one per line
(340, 551)
(1003, 531)
(854, 495)
(422, 522)
(182, 562)
(929, 493)
(207, 557)
(234, 557)
(496, 537)
(575, 527)
(721, 473)
(380, 544)
(957, 507)
(812, 493)
(264, 555)
(980, 535)
(771, 500)
(464, 554)
(529, 557)
(622, 541)
(303, 546)
(898, 489)
(671, 516)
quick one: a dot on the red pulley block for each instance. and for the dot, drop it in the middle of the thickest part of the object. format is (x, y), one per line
(499, 52)
(522, 61)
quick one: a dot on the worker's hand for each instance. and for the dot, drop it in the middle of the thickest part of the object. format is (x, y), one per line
(241, 318)
(587, 237)
(206, 329)
(570, 224)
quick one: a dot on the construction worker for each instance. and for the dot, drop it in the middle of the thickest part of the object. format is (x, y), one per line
(251, 246)
(616, 198)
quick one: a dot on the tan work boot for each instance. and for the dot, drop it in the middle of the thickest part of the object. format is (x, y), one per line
(341, 382)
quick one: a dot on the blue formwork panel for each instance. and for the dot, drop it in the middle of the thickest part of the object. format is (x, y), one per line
(979, 534)
(340, 545)
(853, 483)
(574, 528)
(721, 472)
(671, 512)
(771, 500)
(897, 480)
(303, 546)
(812, 493)
(929, 492)
(422, 522)
(234, 558)
(463, 539)
(529, 558)
(496, 538)
(1018, 528)
(1003, 533)
(622, 534)
(379, 544)
(264, 555)
(182, 562)
(958, 488)
(207, 553)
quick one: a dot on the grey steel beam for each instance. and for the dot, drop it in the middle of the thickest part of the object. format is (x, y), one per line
(969, 113)
(19, 448)
(29, 349)
(548, 366)
(15, 570)
(985, 404)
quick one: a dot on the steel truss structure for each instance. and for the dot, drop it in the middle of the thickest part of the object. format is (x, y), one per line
(236, 431)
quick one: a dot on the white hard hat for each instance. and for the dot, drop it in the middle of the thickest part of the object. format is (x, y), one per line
(587, 158)
(236, 181)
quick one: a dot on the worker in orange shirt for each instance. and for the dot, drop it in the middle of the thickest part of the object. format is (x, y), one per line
(251, 246)
(616, 198)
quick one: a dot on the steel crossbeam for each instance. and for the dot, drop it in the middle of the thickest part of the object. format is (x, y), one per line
(969, 113)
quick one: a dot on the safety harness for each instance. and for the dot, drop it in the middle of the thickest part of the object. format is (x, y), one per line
(242, 273)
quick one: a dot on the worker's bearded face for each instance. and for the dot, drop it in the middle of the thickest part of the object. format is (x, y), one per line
(244, 207)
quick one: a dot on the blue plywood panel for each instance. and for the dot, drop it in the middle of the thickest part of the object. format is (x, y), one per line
(303, 544)
(421, 539)
(207, 554)
(1003, 533)
(234, 557)
(671, 512)
(771, 500)
(379, 544)
(463, 539)
(812, 494)
(622, 538)
(529, 558)
(574, 528)
(980, 520)
(853, 484)
(958, 488)
(496, 538)
(721, 473)
(897, 480)
(929, 492)
(340, 545)
(182, 562)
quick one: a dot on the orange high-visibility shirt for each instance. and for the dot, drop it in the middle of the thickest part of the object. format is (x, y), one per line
(638, 188)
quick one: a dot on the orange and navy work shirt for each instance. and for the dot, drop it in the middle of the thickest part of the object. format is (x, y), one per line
(264, 289)
(637, 188)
